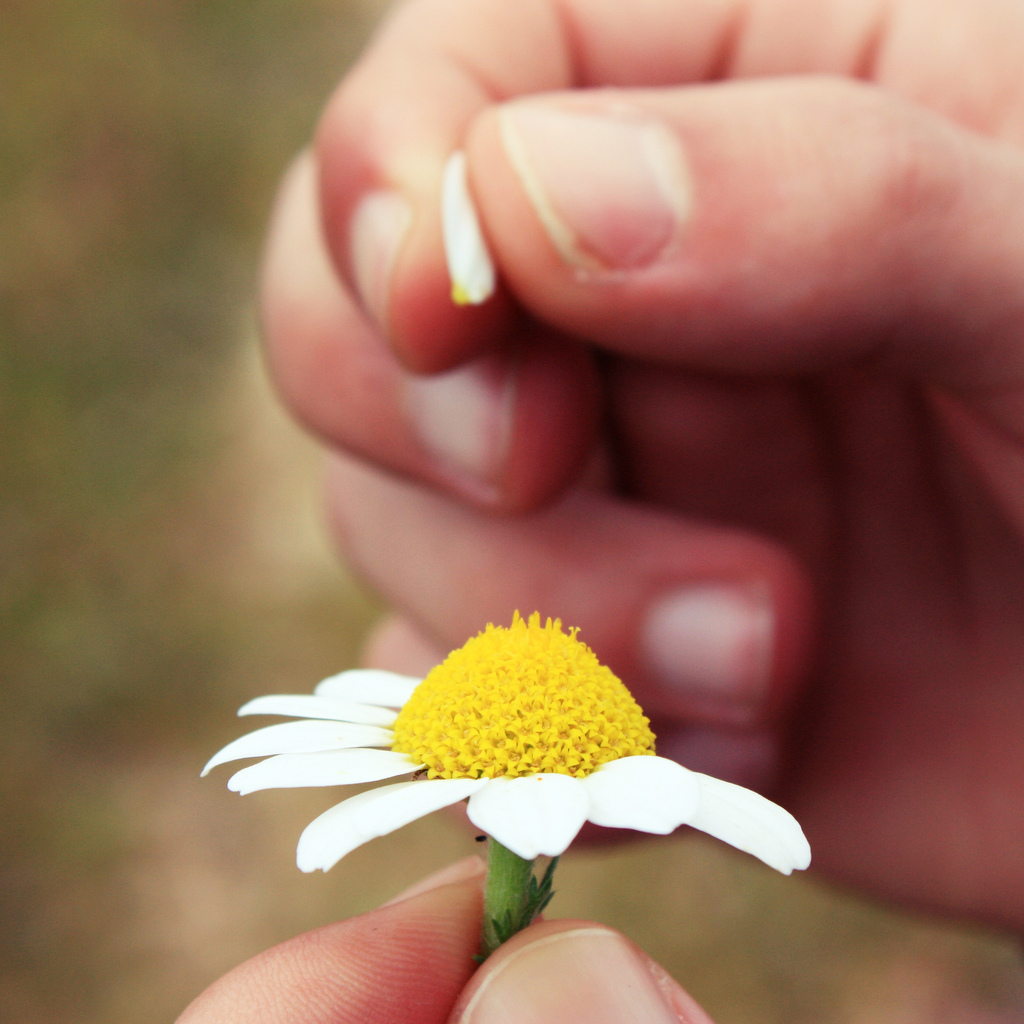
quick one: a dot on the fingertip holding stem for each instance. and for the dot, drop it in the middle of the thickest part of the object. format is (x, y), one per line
(574, 973)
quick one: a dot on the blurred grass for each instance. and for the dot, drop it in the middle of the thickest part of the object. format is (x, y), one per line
(161, 560)
(159, 557)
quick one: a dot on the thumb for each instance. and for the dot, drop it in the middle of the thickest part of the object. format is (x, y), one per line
(774, 226)
(405, 962)
(574, 972)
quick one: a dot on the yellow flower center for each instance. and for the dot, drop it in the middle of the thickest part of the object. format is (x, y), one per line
(519, 701)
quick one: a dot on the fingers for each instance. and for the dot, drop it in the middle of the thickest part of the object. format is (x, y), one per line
(573, 972)
(436, 64)
(783, 226)
(405, 962)
(707, 626)
(479, 431)
(383, 142)
(412, 961)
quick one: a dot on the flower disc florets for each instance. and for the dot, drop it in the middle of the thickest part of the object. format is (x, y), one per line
(525, 700)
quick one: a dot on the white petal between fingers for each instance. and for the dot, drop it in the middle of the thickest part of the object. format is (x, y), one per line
(469, 263)
(751, 823)
(650, 794)
(369, 686)
(301, 737)
(328, 768)
(306, 705)
(533, 815)
(364, 817)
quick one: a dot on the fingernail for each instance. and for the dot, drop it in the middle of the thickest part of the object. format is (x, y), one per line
(587, 975)
(460, 871)
(713, 639)
(611, 189)
(379, 225)
(464, 418)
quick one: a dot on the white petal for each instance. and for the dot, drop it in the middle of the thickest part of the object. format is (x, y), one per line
(301, 737)
(327, 768)
(369, 686)
(650, 794)
(364, 817)
(533, 814)
(469, 262)
(305, 705)
(751, 823)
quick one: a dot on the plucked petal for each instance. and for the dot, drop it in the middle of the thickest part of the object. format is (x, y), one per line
(327, 768)
(369, 686)
(533, 814)
(376, 813)
(751, 823)
(469, 263)
(301, 738)
(650, 794)
(306, 705)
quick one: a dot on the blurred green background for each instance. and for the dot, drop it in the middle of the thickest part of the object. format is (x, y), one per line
(162, 560)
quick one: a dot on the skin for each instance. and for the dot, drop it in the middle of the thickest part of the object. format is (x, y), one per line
(411, 961)
(817, 393)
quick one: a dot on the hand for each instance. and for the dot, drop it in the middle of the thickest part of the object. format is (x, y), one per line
(749, 410)
(411, 961)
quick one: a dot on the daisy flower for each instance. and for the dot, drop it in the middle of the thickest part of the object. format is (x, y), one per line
(526, 724)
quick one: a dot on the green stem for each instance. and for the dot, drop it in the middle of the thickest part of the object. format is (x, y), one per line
(512, 895)
(505, 894)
